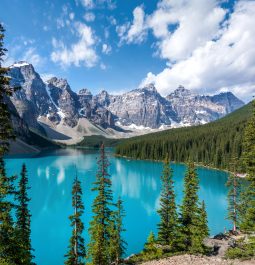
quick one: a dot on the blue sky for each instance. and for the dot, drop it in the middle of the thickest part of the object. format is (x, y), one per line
(205, 45)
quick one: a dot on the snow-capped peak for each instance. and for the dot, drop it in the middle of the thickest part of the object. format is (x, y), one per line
(20, 64)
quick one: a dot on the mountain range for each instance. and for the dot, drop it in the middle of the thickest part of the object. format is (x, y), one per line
(54, 110)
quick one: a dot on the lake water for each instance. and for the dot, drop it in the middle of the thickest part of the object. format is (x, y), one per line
(137, 182)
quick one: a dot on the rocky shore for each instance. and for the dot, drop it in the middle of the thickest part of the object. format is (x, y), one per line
(197, 260)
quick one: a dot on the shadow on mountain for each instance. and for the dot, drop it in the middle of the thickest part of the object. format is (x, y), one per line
(52, 134)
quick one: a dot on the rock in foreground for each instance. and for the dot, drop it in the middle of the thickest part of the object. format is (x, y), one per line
(197, 260)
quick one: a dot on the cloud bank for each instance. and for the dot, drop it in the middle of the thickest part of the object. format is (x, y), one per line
(207, 48)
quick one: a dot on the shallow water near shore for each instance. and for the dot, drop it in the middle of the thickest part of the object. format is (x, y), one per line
(138, 183)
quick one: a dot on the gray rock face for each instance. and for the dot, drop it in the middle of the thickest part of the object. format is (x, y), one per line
(65, 100)
(145, 107)
(31, 100)
(95, 108)
(142, 107)
(193, 109)
(228, 100)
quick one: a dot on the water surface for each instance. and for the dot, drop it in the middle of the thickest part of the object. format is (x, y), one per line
(138, 183)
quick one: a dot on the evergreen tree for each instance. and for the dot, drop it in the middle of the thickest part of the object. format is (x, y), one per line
(234, 186)
(76, 252)
(23, 220)
(6, 130)
(151, 250)
(8, 245)
(191, 233)
(168, 226)
(101, 221)
(149, 246)
(204, 230)
(248, 207)
(117, 244)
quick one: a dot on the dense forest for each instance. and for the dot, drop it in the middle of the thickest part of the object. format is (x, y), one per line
(214, 144)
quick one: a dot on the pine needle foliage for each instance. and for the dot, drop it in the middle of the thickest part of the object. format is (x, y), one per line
(98, 251)
(168, 226)
(6, 129)
(234, 196)
(23, 222)
(248, 207)
(76, 251)
(213, 144)
(117, 244)
(193, 219)
(8, 244)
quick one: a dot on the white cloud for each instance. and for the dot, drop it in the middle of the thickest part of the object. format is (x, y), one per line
(106, 49)
(191, 24)
(60, 23)
(112, 20)
(103, 66)
(71, 16)
(135, 32)
(31, 56)
(89, 17)
(222, 59)
(80, 53)
(90, 4)
(87, 3)
(18, 53)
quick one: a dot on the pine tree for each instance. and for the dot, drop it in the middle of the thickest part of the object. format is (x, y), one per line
(234, 186)
(8, 245)
(168, 226)
(204, 230)
(191, 214)
(6, 130)
(149, 246)
(23, 220)
(101, 221)
(151, 250)
(248, 207)
(117, 244)
(76, 253)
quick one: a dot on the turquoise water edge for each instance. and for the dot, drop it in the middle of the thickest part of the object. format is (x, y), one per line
(138, 183)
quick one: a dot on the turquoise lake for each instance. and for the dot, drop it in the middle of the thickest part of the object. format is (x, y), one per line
(138, 183)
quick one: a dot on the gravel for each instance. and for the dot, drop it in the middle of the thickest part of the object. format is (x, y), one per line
(197, 260)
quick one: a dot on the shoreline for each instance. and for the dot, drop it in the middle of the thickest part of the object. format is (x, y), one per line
(239, 175)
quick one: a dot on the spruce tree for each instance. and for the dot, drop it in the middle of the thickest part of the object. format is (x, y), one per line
(168, 226)
(23, 220)
(117, 244)
(234, 186)
(76, 252)
(8, 244)
(151, 250)
(248, 207)
(6, 130)
(102, 214)
(191, 233)
(203, 222)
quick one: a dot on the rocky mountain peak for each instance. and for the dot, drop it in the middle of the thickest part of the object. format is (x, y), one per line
(229, 100)
(22, 72)
(20, 64)
(103, 98)
(142, 108)
(181, 91)
(103, 93)
(151, 88)
(59, 83)
(84, 92)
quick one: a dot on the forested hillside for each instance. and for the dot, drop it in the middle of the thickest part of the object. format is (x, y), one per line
(213, 144)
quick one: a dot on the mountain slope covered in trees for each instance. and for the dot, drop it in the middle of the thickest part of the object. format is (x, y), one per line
(213, 144)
